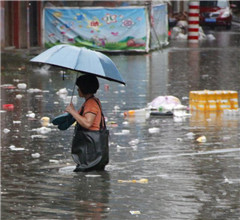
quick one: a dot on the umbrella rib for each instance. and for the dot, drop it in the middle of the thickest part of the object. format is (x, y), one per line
(75, 67)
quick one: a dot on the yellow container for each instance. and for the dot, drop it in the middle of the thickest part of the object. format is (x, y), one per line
(233, 100)
(208, 100)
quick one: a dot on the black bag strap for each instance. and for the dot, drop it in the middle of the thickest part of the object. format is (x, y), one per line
(102, 122)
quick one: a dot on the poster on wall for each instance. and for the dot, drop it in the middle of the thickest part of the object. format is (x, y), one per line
(105, 29)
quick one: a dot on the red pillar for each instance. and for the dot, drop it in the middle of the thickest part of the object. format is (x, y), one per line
(193, 21)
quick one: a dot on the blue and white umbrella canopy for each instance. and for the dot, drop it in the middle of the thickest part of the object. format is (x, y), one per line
(81, 59)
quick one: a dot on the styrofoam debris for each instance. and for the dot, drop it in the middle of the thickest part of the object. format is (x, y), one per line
(19, 96)
(210, 37)
(13, 148)
(124, 131)
(36, 155)
(53, 161)
(5, 130)
(34, 90)
(22, 85)
(92, 175)
(116, 108)
(190, 135)
(17, 122)
(31, 114)
(153, 130)
(38, 136)
(42, 130)
(134, 142)
(62, 91)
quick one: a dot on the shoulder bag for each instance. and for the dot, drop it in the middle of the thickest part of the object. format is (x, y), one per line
(90, 149)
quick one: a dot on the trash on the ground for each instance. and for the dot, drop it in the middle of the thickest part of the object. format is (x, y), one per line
(31, 114)
(34, 90)
(42, 130)
(45, 121)
(123, 132)
(210, 37)
(136, 113)
(22, 85)
(134, 142)
(135, 212)
(213, 100)
(190, 135)
(153, 130)
(38, 96)
(160, 106)
(17, 122)
(62, 91)
(201, 139)
(8, 86)
(35, 155)
(179, 139)
(164, 103)
(116, 108)
(38, 136)
(112, 124)
(19, 96)
(5, 130)
(13, 148)
(93, 175)
(134, 181)
(8, 107)
(53, 161)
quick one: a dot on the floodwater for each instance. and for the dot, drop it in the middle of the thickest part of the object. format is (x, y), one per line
(186, 179)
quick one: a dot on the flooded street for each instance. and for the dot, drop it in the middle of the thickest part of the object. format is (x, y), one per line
(185, 179)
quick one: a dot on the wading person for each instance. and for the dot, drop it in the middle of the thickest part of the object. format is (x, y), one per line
(90, 142)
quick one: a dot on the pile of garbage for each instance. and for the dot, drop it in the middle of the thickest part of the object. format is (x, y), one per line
(179, 28)
(160, 106)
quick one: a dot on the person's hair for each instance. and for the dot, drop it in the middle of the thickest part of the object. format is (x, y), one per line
(88, 84)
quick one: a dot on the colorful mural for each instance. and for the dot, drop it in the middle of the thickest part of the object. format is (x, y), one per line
(111, 29)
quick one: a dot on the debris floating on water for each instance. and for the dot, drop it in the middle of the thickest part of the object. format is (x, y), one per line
(13, 148)
(22, 85)
(135, 212)
(19, 96)
(53, 161)
(202, 139)
(133, 181)
(36, 155)
(31, 114)
(5, 130)
(42, 130)
(153, 130)
(45, 121)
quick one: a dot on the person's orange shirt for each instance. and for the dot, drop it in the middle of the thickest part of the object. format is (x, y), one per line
(92, 107)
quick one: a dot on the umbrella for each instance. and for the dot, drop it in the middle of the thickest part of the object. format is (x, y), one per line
(81, 59)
